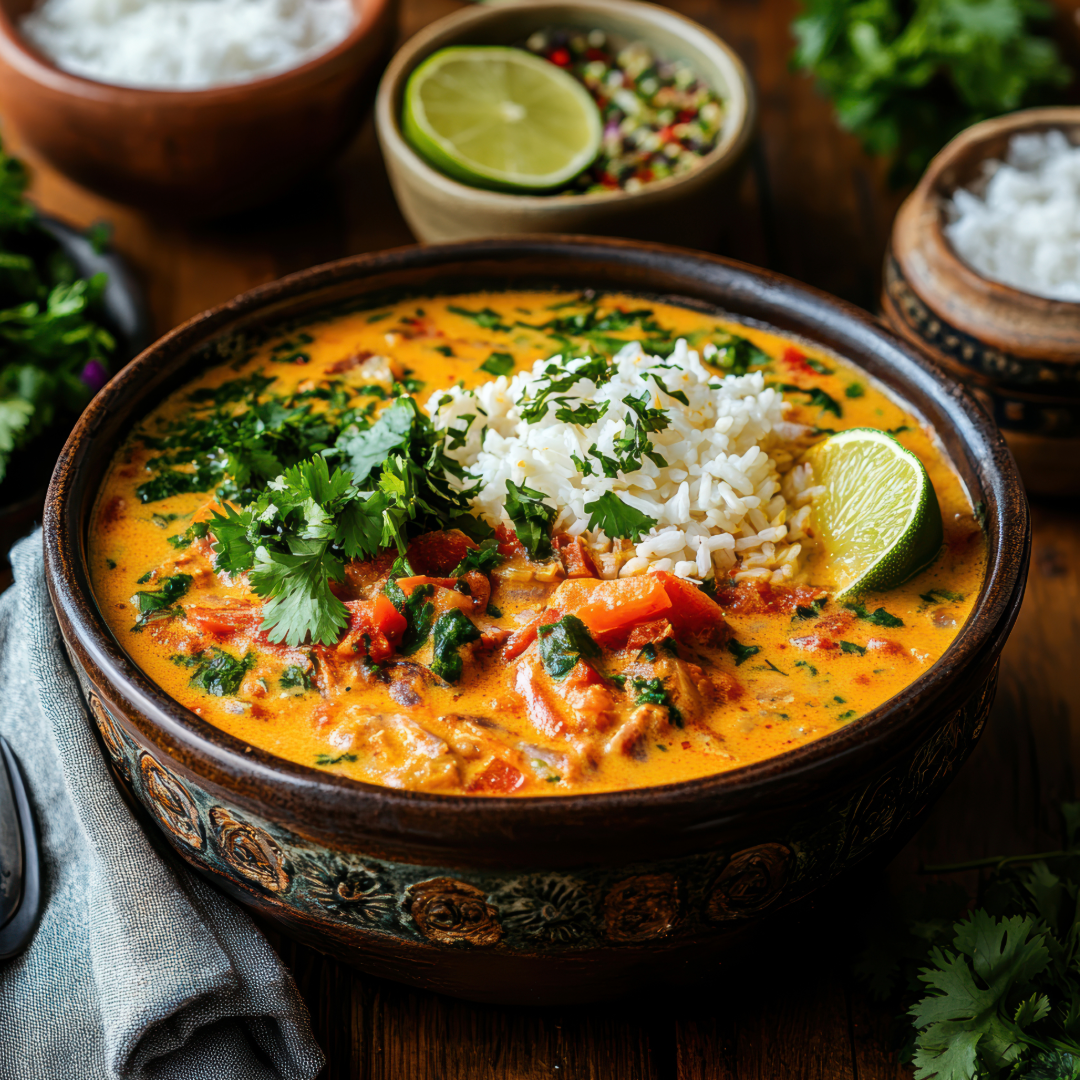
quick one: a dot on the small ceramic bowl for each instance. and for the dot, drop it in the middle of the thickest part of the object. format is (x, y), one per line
(198, 153)
(557, 898)
(684, 209)
(1019, 353)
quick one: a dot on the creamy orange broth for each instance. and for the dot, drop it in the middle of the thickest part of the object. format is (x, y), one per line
(475, 736)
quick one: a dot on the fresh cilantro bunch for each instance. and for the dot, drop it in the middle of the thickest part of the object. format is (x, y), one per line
(996, 993)
(906, 77)
(53, 350)
(292, 539)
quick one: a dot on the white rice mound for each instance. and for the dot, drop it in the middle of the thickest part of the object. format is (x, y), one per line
(729, 494)
(184, 44)
(1025, 229)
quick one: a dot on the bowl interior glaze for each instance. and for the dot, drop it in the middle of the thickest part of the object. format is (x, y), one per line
(570, 830)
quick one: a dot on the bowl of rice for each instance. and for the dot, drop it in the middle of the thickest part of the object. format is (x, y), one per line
(983, 276)
(190, 110)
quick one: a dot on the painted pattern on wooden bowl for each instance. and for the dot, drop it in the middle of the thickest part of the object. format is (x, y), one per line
(562, 898)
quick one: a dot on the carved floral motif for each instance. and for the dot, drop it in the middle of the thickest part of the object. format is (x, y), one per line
(751, 881)
(356, 892)
(642, 908)
(453, 912)
(551, 908)
(170, 802)
(250, 851)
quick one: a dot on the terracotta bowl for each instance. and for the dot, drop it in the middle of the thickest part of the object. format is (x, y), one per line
(1019, 353)
(544, 899)
(199, 153)
(685, 209)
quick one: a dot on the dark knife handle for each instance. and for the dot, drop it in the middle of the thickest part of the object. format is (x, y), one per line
(15, 934)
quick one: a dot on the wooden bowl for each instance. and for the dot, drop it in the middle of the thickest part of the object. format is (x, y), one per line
(197, 153)
(686, 209)
(1019, 353)
(557, 898)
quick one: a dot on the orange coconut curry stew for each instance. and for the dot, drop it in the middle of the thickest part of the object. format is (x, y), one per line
(519, 543)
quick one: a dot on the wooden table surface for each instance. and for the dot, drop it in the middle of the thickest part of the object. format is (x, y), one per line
(816, 209)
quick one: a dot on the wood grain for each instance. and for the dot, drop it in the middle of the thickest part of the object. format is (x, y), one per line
(817, 209)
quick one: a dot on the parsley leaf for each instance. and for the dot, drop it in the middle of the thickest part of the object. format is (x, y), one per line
(563, 644)
(295, 677)
(816, 396)
(532, 518)
(851, 647)
(485, 317)
(418, 610)
(654, 692)
(618, 519)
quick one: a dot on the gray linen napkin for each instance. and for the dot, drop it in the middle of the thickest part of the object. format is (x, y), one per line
(138, 968)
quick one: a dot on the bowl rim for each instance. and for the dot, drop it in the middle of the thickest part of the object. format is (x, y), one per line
(423, 44)
(22, 56)
(686, 809)
(931, 190)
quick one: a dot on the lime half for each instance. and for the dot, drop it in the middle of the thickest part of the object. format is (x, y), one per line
(500, 118)
(879, 517)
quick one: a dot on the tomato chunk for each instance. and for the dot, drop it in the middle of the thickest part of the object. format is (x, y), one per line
(499, 778)
(437, 553)
(375, 628)
(692, 612)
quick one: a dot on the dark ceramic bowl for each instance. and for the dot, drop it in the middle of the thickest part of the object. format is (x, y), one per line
(546, 899)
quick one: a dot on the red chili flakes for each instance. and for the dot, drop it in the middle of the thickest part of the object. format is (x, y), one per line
(797, 361)
(686, 746)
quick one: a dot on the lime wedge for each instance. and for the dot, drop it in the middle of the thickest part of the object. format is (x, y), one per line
(879, 517)
(500, 118)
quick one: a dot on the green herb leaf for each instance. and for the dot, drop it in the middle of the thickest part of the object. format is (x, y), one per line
(742, 653)
(223, 673)
(654, 692)
(851, 647)
(618, 519)
(161, 599)
(937, 596)
(880, 617)
(532, 518)
(418, 610)
(296, 677)
(483, 558)
(498, 363)
(452, 630)
(563, 644)
(327, 759)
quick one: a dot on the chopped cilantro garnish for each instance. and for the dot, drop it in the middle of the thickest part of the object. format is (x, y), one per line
(937, 596)
(851, 647)
(485, 317)
(532, 518)
(498, 363)
(452, 630)
(735, 355)
(880, 617)
(418, 610)
(196, 531)
(654, 692)
(816, 396)
(809, 667)
(483, 558)
(617, 518)
(854, 390)
(444, 349)
(812, 610)
(563, 644)
(223, 673)
(742, 653)
(326, 759)
(151, 604)
(295, 677)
